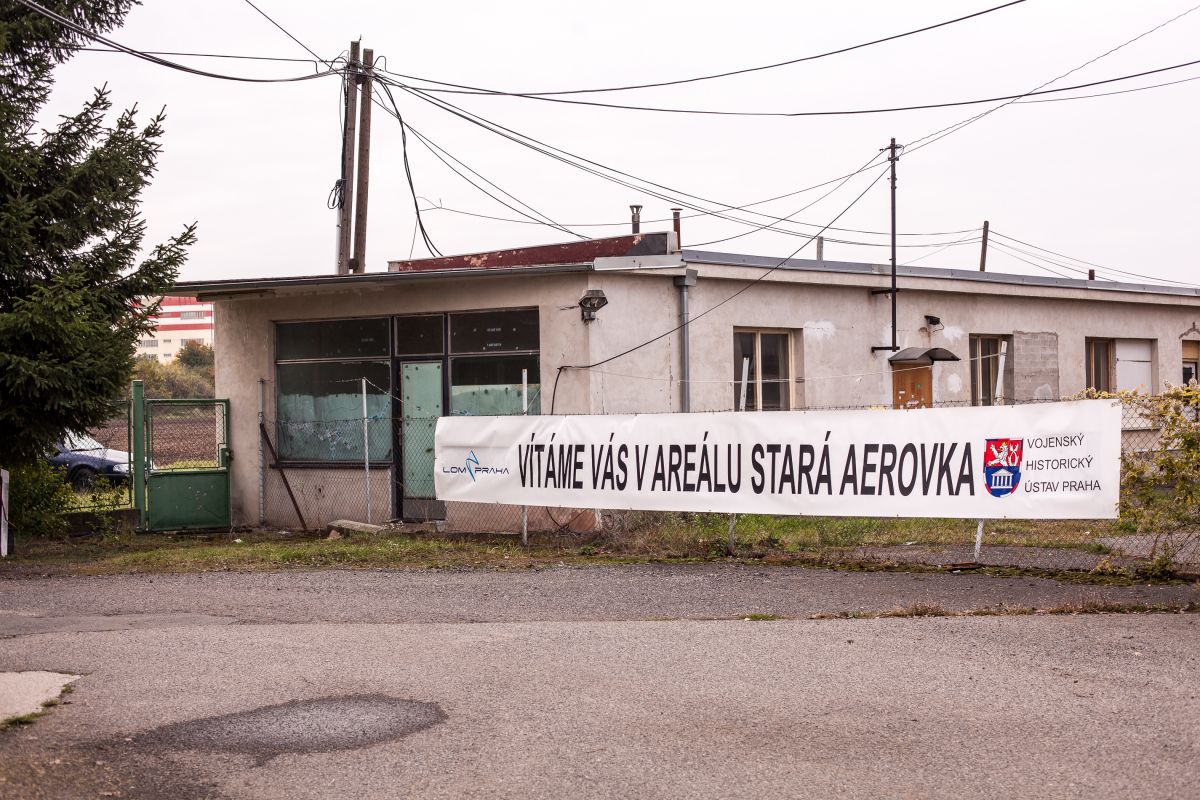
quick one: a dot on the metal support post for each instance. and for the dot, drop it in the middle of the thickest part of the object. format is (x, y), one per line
(978, 541)
(730, 545)
(525, 412)
(262, 458)
(137, 416)
(366, 449)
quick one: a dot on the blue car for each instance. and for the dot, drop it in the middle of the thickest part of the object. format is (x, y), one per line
(85, 461)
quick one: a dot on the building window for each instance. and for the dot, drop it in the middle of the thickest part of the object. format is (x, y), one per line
(1100, 364)
(320, 367)
(147, 343)
(488, 351)
(186, 342)
(1191, 362)
(988, 382)
(763, 358)
(192, 314)
(1133, 361)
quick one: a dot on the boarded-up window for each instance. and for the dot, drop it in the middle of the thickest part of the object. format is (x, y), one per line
(1135, 365)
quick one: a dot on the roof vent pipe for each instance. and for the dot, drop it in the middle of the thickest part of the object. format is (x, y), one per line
(675, 212)
(636, 218)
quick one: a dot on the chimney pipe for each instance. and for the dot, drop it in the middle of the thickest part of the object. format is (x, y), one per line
(1091, 274)
(675, 212)
(636, 212)
(820, 248)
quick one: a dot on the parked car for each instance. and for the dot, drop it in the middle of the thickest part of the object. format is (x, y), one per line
(85, 461)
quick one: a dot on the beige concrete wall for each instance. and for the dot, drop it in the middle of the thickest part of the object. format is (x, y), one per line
(833, 318)
(244, 327)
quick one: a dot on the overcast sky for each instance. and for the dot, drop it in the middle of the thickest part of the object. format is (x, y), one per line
(1110, 180)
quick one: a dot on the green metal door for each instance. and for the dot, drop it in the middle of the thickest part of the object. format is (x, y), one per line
(421, 405)
(187, 452)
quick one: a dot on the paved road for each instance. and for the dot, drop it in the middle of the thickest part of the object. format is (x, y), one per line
(188, 705)
(688, 591)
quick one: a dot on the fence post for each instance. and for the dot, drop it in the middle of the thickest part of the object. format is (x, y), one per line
(978, 541)
(262, 460)
(366, 449)
(525, 412)
(729, 547)
(137, 417)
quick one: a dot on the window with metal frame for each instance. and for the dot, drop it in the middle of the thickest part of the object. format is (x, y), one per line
(319, 372)
(763, 359)
(986, 365)
(1099, 359)
(1191, 362)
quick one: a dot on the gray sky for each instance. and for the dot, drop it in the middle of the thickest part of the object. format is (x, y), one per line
(1109, 180)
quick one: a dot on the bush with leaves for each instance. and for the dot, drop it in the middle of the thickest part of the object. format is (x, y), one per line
(39, 497)
(1160, 488)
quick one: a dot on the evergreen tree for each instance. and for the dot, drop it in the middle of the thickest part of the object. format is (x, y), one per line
(71, 277)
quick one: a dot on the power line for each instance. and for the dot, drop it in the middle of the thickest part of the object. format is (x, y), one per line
(936, 136)
(823, 113)
(286, 32)
(438, 151)
(82, 31)
(425, 237)
(1092, 264)
(209, 55)
(710, 309)
(893, 37)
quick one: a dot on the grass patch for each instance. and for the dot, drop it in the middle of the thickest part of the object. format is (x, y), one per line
(1082, 607)
(34, 716)
(761, 618)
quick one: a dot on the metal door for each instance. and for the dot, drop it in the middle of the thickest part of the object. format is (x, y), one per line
(187, 454)
(421, 406)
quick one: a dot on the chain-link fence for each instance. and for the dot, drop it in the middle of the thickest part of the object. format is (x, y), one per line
(327, 471)
(97, 463)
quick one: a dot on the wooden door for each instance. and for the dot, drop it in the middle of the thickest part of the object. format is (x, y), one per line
(912, 386)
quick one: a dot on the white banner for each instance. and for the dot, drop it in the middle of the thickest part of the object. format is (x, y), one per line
(1037, 461)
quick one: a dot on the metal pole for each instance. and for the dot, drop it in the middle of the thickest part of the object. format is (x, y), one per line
(137, 413)
(351, 120)
(892, 159)
(262, 459)
(978, 541)
(525, 412)
(358, 263)
(4, 546)
(983, 246)
(729, 546)
(366, 449)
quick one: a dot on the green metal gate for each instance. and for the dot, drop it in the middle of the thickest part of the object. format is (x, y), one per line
(186, 464)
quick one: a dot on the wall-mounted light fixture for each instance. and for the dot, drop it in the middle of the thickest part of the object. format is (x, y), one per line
(592, 301)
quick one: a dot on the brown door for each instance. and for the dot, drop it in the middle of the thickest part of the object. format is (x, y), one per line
(912, 386)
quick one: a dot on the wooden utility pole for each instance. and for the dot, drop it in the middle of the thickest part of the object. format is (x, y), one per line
(346, 216)
(983, 248)
(358, 263)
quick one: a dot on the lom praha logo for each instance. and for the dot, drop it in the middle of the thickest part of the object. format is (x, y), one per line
(1002, 466)
(472, 468)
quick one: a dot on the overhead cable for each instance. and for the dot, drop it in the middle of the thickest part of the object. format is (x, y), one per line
(822, 113)
(82, 31)
(730, 73)
(749, 284)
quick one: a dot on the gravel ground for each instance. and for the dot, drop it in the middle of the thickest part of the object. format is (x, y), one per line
(682, 591)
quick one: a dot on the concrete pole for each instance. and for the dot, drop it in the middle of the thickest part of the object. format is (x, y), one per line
(359, 260)
(346, 217)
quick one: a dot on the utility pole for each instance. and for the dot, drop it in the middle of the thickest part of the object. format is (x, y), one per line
(983, 248)
(892, 158)
(346, 215)
(358, 263)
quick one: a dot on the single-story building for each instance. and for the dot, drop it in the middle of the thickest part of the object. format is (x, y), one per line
(594, 327)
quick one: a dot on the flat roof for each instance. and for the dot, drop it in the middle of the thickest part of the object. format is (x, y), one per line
(248, 285)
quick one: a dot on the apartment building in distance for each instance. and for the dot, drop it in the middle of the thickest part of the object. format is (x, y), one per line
(180, 320)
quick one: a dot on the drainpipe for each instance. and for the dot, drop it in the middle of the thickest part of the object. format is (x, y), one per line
(636, 220)
(688, 278)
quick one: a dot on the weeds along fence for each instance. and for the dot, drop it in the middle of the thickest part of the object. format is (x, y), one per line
(325, 471)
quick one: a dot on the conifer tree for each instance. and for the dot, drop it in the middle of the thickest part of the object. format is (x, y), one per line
(73, 272)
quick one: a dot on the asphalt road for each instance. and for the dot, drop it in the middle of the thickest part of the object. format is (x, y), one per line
(586, 697)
